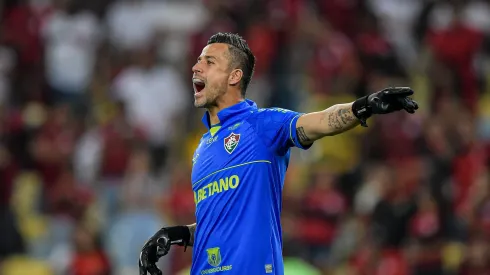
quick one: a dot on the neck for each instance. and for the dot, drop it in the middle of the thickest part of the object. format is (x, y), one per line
(213, 115)
(222, 103)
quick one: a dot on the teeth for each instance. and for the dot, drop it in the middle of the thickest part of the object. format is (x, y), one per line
(197, 81)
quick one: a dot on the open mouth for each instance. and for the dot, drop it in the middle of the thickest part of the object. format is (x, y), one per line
(199, 85)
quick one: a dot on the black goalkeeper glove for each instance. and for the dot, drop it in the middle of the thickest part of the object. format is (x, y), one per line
(159, 245)
(386, 101)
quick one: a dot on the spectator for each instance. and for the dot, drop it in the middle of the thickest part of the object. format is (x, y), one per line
(154, 96)
(140, 191)
(52, 147)
(477, 261)
(426, 229)
(8, 65)
(71, 38)
(323, 208)
(66, 198)
(89, 257)
(118, 137)
(458, 55)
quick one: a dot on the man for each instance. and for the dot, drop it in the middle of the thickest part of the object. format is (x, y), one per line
(240, 164)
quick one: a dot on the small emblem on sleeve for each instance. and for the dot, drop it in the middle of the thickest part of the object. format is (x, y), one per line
(268, 268)
(231, 142)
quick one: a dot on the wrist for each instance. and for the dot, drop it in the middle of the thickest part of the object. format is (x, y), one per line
(178, 235)
(362, 110)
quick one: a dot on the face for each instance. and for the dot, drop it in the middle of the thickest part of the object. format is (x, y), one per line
(211, 75)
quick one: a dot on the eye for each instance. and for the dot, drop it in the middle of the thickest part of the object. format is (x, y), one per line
(210, 62)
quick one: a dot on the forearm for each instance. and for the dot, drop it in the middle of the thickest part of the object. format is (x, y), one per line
(192, 230)
(332, 121)
(339, 118)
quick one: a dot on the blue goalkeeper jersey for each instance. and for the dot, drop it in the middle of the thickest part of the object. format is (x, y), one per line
(237, 177)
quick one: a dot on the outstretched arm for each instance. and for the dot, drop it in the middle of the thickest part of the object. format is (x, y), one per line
(343, 117)
(332, 121)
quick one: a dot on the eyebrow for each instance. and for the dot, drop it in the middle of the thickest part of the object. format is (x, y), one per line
(207, 57)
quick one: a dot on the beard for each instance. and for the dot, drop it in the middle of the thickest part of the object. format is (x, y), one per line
(210, 97)
(201, 103)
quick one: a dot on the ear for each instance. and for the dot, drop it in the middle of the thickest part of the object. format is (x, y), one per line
(235, 77)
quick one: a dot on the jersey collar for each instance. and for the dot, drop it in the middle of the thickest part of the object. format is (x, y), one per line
(231, 113)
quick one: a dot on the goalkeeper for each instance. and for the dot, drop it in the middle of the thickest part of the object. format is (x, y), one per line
(240, 164)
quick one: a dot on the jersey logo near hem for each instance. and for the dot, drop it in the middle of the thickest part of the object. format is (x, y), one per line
(231, 142)
(214, 256)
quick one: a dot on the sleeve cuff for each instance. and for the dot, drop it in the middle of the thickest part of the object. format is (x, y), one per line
(293, 137)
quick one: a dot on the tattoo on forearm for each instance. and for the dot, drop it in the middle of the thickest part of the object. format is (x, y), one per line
(300, 132)
(340, 118)
(192, 229)
(333, 121)
(346, 115)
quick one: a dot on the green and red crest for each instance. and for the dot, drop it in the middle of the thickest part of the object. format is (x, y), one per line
(231, 142)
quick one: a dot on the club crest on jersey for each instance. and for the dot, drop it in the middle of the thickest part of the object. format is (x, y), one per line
(214, 256)
(231, 142)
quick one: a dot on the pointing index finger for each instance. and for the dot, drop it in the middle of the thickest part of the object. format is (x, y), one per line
(398, 91)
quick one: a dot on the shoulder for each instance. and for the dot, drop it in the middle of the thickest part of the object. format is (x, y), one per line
(273, 123)
(267, 112)
(272, 116)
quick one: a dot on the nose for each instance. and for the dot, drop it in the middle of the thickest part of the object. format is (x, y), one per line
(197, 68)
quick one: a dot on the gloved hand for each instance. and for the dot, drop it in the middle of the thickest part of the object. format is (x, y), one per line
(159, 245)
(386, 101)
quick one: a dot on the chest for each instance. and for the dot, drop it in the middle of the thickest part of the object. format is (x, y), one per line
(229, 149)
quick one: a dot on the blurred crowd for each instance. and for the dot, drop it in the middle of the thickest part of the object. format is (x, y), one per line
(98, 129)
